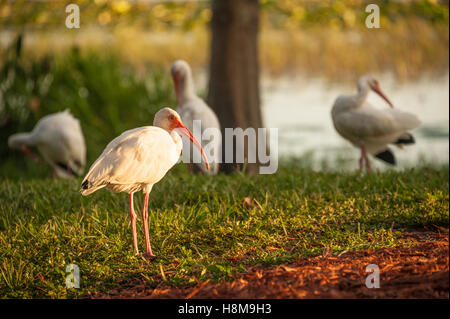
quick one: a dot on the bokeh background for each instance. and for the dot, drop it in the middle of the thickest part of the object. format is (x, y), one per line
(113, 72)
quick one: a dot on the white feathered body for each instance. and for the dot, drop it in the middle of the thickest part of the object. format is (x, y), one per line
(134, 161)
(196, 109)
(370, 127)
(60, 141)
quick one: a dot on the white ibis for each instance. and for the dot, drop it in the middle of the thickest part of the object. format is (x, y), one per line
(60, 141)
(191, 108)
(138, 159)
(369, 128)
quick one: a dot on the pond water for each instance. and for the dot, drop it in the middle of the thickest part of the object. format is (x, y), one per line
(300, 109)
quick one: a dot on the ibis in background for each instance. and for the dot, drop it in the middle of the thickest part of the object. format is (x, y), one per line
(372, 129)
(192, 108)
(138, 159)
(59, 139)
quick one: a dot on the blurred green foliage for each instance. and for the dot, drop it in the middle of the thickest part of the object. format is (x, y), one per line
(158, 15)
(348, 13)
(325, 38)
(107, 96)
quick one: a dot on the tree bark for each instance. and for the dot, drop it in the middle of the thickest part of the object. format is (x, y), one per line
(234, 69)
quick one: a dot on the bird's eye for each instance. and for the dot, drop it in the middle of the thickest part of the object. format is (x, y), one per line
(171, 117)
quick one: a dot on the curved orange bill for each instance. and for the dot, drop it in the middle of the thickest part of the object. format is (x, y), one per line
(30, 154)
(380, 93)
(185, 131)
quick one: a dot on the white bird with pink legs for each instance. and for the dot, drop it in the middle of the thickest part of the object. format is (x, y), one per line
(60, 141)
(138, 159)
(192, 108)
(372, 129)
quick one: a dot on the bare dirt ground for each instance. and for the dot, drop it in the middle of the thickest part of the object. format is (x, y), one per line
(420, 271)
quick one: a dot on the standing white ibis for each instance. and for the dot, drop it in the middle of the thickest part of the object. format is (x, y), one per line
(369, 128)
(60, 141)
(138, 159)
(192, 108)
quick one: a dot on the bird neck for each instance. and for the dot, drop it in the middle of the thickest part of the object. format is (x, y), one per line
(186, 90)
(177, 140)
(361, 97)
(16, 141)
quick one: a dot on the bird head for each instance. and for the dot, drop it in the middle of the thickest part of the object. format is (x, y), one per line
(15, 141)
(180, 68)
(373, 84)
(169, 120)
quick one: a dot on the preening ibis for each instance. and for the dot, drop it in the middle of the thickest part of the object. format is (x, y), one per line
(138, 159)
(60, 141)
(369, 128)
(190, 108)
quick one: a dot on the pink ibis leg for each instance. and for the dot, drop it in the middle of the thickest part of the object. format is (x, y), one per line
(148, 247)
(361, 160)
(366, 159)
(133, 225)
(53, 173)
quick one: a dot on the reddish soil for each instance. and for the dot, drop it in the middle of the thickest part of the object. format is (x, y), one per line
(421, 271)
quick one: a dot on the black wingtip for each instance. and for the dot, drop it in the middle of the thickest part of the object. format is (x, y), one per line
(406, 138)
(386, 156)
(85, 184)
(62, 166)
(67, 168)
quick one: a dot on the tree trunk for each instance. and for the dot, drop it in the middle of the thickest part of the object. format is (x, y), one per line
(234, 69)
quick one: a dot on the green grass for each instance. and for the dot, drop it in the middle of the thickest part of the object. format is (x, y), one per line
(200, 222)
